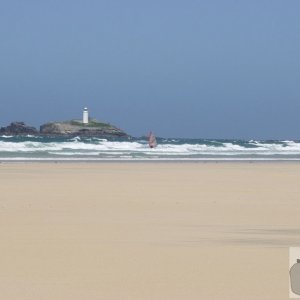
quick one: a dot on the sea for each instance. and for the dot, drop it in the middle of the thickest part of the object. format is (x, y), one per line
(43, 148)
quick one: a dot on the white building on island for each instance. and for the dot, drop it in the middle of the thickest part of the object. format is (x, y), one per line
(85, 116)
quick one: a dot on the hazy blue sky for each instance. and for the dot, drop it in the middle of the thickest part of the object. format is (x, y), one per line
(213, 69)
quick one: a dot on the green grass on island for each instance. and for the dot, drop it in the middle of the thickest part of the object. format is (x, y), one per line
(92, 124)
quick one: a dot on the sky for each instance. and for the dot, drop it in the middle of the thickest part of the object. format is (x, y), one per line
(197, 69)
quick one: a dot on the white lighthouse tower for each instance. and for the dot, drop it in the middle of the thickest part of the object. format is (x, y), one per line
(85, 116)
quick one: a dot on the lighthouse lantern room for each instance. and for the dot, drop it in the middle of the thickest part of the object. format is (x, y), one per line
(85, 116)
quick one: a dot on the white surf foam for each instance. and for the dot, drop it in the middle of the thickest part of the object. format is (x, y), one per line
(93, 147)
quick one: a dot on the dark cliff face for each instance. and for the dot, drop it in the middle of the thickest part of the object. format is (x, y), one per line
(18, 128)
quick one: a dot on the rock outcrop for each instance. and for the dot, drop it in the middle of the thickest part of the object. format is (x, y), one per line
(77, 128)
(68, 128)
(18, 128)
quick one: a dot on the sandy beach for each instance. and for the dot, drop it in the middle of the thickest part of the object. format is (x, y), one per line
(147, 230)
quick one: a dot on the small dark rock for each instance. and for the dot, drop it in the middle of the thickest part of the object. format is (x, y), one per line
(18, 128)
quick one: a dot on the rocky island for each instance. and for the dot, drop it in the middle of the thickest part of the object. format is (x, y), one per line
(85, 127)
(18, 128)
(66, 128)
(78, 128)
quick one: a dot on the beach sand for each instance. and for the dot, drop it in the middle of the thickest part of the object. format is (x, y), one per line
(147, 231)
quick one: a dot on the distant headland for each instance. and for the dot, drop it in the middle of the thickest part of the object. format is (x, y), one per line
(85, 127)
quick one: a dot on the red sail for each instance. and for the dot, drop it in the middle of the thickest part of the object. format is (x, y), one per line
(152, 140)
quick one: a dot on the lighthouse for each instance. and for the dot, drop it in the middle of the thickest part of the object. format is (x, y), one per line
(85, 116)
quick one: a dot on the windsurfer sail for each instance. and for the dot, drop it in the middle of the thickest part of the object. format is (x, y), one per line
(152, 140)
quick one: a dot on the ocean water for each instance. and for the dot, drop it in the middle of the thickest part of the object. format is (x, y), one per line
(33, 148)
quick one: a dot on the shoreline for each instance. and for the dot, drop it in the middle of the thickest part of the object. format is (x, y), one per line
(150, 161)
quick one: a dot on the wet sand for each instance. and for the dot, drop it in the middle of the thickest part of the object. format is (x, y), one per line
(147, 231)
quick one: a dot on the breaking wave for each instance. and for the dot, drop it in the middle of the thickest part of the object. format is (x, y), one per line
(78, 148)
